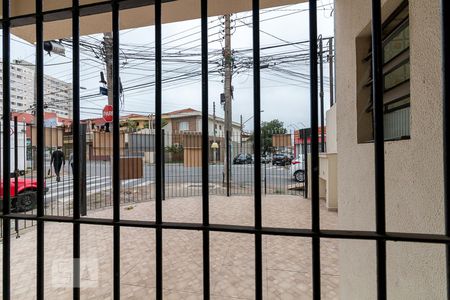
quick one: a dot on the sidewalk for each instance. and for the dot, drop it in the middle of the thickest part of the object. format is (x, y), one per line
(286, 260)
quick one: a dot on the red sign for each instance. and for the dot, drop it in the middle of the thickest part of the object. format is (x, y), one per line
(108, 113)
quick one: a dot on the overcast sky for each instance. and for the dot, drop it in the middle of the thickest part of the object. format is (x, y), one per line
(284, 96)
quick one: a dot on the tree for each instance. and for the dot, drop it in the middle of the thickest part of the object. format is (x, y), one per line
(268, 129)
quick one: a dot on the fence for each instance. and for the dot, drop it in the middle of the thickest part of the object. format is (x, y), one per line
(182, 167)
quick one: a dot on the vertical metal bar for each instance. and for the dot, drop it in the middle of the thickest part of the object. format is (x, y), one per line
(116, 148)
(205, 150)
(322, 121)
(445, 4)
(39, 74)
(82, 170)
(305, 161)
(6, 47)
(16, 169)
(76, 145)
(163, 165)
(158, 150)
(16, 157)
(265, 177)
(315, 208)
(330, 60)
(377, 90)
(257, 150)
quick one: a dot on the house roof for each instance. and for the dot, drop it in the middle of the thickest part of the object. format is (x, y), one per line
(182, 111)
(134, 116)
(96, 121)
(23, 117)
(190, 112)
(101, 121)
(29, 118)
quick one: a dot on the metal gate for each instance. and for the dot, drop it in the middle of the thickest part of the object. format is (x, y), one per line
(315, 233)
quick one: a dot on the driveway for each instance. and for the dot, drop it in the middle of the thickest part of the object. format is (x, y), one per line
(286, 260)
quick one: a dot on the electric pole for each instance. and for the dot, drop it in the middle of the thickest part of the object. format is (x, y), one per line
(108, 48)
(228, 64)
(330, 61)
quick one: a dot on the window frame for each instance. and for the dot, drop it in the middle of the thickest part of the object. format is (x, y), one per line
(385, 40)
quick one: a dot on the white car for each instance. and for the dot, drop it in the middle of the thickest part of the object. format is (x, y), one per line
(297, 169)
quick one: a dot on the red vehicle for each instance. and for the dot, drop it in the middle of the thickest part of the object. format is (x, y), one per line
(26, 194)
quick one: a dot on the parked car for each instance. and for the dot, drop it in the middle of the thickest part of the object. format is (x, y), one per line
(297, 169)
(281, 159)
(26, 194)
(242, 159)
(266, 159)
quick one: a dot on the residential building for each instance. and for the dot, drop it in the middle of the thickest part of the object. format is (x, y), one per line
(183, 121)
(413, 148)
(57, 93)
(189, 120)
(181, 127)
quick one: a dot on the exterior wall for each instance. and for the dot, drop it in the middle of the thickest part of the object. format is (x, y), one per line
(141, 123)
(331, 130)
(192, 121)
(414, 187)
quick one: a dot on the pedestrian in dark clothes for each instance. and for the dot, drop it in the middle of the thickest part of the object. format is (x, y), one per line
(71, 161)
(58, 160)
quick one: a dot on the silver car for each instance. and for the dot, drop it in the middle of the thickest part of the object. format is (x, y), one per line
(297, 169)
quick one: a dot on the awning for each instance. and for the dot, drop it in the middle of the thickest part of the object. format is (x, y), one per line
(96, 16)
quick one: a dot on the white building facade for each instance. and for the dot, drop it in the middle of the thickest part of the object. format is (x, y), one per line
(57, 93)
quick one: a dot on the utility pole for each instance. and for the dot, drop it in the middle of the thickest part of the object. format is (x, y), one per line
(228, 62)
(108, 48)
(330, 61)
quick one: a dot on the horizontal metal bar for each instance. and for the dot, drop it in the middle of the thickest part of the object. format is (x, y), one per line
(85, 10)
(280, 231)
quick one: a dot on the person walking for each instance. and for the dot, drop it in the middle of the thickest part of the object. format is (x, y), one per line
(71, 161)
(58, 160)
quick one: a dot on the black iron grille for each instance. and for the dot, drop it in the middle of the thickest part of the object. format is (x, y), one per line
(315, 233)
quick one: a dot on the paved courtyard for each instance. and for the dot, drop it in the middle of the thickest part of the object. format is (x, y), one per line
(286, 269)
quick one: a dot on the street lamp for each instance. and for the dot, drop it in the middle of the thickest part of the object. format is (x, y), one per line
(214, 147)
(242, 124)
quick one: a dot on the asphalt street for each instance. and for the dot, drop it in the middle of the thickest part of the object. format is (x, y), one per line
(98, 177)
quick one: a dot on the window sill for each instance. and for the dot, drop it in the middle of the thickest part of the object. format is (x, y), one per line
(403, 138)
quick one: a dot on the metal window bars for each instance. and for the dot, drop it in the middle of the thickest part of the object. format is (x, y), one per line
(315, 233)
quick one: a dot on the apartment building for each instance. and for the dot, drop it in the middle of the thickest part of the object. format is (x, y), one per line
(57, 93)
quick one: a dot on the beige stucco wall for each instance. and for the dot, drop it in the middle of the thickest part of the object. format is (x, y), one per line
(331, 129)
(414, 187)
